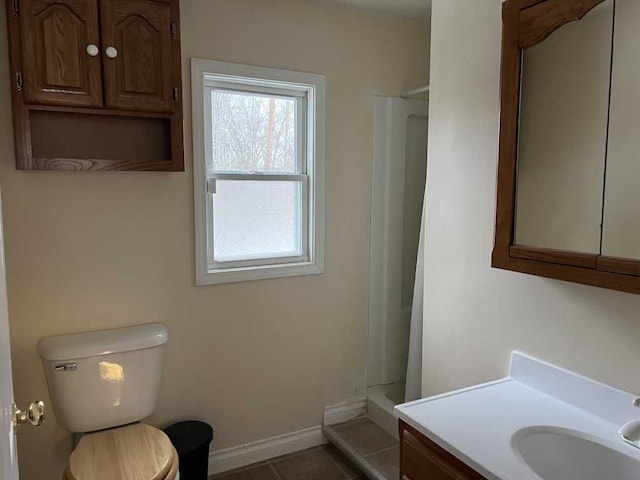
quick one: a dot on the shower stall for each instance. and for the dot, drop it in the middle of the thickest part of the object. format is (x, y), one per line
(399, 174)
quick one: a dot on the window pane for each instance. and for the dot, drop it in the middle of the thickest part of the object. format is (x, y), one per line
(256, 219)
(252, 132)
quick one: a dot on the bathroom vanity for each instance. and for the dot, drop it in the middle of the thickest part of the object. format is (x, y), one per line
(540, 422)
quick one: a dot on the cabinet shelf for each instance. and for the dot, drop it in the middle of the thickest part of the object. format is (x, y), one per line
(62, 139)
(98, 111)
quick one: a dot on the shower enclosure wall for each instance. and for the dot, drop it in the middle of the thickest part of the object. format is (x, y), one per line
(399, 174)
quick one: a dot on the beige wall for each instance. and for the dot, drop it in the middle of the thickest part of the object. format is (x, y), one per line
(474, 315)
(96, 250)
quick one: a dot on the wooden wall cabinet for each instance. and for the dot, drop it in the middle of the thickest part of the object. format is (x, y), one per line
(526, 25)
(96, 84)
(421, 459)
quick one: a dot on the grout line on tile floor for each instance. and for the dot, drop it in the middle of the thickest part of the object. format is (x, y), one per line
(274, 470)
(290, 455)
(380, 451)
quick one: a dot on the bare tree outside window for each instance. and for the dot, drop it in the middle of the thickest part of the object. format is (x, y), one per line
(252, 133)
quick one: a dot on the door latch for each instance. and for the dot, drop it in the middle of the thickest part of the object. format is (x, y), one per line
(35, 415)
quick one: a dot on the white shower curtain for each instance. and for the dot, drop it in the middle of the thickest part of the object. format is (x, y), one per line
(413, 389)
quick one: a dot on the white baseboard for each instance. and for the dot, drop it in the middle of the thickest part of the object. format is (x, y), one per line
(243, 455)
(345, 411)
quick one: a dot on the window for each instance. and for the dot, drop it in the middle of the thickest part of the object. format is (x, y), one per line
(258, 171)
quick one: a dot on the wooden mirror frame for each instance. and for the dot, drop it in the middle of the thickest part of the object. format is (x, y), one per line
(525, 24)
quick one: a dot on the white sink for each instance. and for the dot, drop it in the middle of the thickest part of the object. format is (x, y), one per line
(562, 454)
(539, 423)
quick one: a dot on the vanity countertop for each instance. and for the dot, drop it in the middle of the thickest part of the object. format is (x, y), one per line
(478, 424)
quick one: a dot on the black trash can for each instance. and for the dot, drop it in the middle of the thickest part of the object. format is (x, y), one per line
(191, 440)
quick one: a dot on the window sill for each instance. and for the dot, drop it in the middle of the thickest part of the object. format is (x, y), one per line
(245, 274)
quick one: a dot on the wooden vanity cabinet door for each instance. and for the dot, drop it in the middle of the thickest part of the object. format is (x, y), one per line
(57, 69)
(141, 76)
(421, 459)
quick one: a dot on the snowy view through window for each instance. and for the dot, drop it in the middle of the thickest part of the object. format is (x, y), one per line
(254, 218)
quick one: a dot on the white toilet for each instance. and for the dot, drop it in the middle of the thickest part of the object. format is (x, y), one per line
(102, 384)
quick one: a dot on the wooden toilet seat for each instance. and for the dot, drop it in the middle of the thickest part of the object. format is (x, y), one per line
(134, 452)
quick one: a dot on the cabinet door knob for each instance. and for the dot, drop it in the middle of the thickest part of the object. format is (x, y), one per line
(92, 50)
(111, 52)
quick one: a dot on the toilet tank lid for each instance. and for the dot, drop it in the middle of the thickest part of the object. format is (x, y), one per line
(103, 342)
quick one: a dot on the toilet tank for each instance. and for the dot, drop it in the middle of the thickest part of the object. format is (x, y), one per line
(106, 378)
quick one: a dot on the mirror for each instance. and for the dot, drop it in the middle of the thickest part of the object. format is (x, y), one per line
(564, 103)
(621, 232)
(568, 190)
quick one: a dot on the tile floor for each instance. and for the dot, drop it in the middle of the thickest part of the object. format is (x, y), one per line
(319, 463)
(367, 442)
(369, 445)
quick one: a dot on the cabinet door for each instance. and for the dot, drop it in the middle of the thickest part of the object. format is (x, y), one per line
(137, 40)
(421, 459)
(58, 66)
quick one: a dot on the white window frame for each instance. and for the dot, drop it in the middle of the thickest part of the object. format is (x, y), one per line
(310, 88)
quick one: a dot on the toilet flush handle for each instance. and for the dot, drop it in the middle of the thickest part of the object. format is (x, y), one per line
(66, 367)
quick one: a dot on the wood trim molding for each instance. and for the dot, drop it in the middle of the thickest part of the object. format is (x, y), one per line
(21, 130)
(97, 111)
(526, 23)
(619, 265)
(568, 273)
(541, 20)
(529, 3)
(583, 260)
(177, 121)
(508, 141)
(99, 165)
